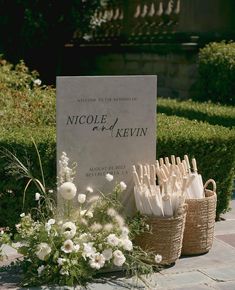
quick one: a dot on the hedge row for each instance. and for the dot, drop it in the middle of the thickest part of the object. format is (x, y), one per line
(206, 111)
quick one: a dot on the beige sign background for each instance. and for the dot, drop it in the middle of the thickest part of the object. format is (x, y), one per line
(107, 124)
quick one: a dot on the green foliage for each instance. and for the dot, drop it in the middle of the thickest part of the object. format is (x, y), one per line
(212, 146)
(26, 24)
(206, 111)
(217, 73)
(28, 110)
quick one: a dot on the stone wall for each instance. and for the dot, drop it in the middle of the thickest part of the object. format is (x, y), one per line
(175, 66)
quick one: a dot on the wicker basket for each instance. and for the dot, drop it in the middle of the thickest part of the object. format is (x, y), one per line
(200, 222)
(166, 237)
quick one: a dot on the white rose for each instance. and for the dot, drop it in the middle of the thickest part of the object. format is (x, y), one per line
(67, 246)
(119, 258)
(43, 250)
(123, 186)
(127, 244)
(81, 198)
(158, 259)
(69, 230)
(113, 240)
(107, 253)
(37, 196)
(68, 190)
(109, 177)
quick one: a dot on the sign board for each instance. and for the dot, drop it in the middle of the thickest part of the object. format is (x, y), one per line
(106, 124)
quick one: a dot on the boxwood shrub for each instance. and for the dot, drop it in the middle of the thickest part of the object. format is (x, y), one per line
(205, 111)
(216, 81)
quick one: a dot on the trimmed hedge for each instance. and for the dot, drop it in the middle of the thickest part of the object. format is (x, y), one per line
(206, 111)
(216, 80)
(29, 111)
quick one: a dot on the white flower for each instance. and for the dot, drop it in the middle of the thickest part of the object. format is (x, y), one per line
(2, 232)
(61, 261)
(88, 250)
(123, 186)
(69, 230)
(96, 227)
(40, 269)
(50, 191)
(37, 196)
(43, 250)
(158, 258)
(97, 261)
(83, 237)
(68, 190)
(22, 214)
(81, 198)
(76, 248)
(51, 222)
(111, 212)
(67, 246)
(119, 258)
(109, 177)
(89, 189)
(119, 219)
(107, 253)
(125, 232)
(37, 82)
(87, 213)
(127, 244)
(113, 240)
(64, 272)
(60, 223)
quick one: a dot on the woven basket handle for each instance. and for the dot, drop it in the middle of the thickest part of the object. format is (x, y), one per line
(213, 184)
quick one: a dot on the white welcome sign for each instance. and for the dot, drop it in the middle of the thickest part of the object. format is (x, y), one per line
(106, 124)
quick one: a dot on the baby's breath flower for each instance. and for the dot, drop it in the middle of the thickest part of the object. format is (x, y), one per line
(119, 220)
(96, 227)
(81, 198)
(37, 196)
(111, 212)
(109, 177)
(76, 248)
(22, 215)
(108, 227)
(89, 189)
(158, 258)
(123, 186)
(37, 82)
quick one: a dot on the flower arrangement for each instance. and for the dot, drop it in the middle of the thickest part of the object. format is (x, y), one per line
(83, 237)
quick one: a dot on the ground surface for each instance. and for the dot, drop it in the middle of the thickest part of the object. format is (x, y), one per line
(214, 270)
